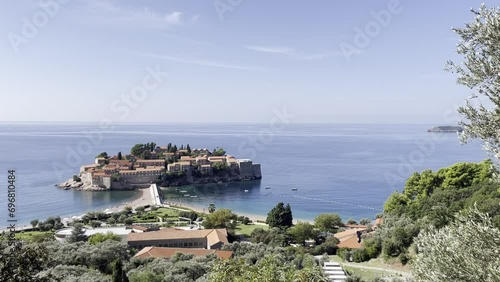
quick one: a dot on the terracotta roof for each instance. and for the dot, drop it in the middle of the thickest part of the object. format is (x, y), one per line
(121, 162)
(355, 226)
(217, 157)
(138, 227)
(351, 243)
(91, 165)
(158, 252)
(216, 236)
(172, 233)
(187, 158)
(157, 168)
(149, 161)
(344, 235)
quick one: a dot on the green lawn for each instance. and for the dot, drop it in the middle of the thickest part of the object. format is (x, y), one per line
(364, 274)
(247, 229)
(33, 235)
(165, 213)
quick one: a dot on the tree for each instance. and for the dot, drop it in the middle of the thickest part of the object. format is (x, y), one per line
(222, 218)
(78, 234)
(140, 209)
(120, 155)
(303, 231)
(118, 274)
(211, 208)
(351, 221)
(364, 221)
(76, 178)
(100, 237)
(34, 223)
(102, 155)
(95, 223)
(137, 149)
(188, 149)
(464, 250)
(21, 261)
(280, 216)
(219, 152)
(479, 72)
(128, 221)
(127, 209)
(273, 237)
(270, 269)
(328, 222)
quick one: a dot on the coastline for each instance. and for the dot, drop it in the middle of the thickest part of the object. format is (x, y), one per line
(198, 209)
(143, 198)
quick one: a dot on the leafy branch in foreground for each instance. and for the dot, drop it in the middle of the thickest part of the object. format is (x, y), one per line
(468, 249)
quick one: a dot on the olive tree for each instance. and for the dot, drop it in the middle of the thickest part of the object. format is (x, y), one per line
(480, 71)
(467, 249)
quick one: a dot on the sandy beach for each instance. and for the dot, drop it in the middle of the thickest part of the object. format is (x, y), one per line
(198, 209)
(143, 199)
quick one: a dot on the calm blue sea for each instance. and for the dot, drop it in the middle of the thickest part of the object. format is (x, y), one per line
(348, 169)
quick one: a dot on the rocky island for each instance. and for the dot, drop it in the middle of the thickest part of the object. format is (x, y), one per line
(163, 165)
(446, 128)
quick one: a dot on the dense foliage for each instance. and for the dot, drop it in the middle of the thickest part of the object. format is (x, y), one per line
(437, 196)
(280, 216)
(468, 249)
(254, 262)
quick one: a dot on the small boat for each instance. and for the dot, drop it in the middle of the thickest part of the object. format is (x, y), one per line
(294, 189)
(246, 191)
(268, 187)
(187, 195)
(183, 191)
(194, 196)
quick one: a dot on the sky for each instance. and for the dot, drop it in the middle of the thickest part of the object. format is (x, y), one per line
(231, 60)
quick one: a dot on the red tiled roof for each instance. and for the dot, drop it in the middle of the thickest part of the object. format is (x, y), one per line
(158, 252)
(213, 235)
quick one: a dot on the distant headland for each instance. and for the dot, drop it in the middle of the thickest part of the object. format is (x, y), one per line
(446, 128)
(163, 165)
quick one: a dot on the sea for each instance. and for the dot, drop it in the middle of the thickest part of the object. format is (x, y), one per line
(349, 169)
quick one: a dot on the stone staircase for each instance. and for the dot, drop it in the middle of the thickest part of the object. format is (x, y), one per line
(334, 272)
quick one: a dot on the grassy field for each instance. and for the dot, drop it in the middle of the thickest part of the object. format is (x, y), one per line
(247, 229)
(33, 235)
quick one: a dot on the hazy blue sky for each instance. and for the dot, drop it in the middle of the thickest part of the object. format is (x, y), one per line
(230, 60)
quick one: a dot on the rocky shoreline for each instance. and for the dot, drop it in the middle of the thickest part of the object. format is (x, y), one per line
(78, 185)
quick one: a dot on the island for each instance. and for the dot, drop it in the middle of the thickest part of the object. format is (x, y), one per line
(446, 128)
(162, 165)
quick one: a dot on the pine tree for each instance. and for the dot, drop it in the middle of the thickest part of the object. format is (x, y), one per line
(287, 216)
(280, 216)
